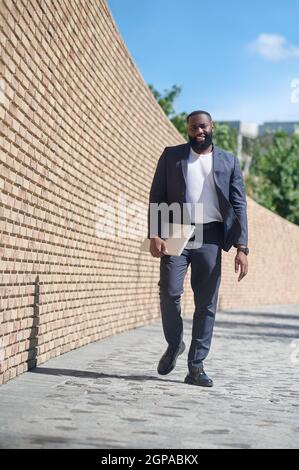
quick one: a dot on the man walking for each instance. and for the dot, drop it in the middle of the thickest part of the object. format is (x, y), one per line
(192, 173)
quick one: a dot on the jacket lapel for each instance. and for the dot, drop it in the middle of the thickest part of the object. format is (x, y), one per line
(183, 161)
(217, 164)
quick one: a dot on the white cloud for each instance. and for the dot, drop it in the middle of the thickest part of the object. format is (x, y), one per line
(274, 47)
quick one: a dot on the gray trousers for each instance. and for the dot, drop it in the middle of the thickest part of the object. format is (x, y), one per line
(205, 281)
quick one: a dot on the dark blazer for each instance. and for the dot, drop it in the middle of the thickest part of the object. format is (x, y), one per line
(169, 186)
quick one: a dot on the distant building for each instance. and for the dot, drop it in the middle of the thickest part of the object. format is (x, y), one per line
(288, 127)
(251, 129)
(246, 129)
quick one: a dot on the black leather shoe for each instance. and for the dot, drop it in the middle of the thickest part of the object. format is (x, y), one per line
(197, 376)
(168, 360)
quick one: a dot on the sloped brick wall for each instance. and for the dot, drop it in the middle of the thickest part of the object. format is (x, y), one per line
(78, 127)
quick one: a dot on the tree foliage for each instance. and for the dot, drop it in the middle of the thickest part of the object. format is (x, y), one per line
(225, 137)
(273, 180)
(166, 101)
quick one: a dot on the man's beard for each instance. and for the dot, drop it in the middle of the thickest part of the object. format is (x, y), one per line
(199, 146)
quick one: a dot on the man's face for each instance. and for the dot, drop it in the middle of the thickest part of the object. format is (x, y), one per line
(200, 131)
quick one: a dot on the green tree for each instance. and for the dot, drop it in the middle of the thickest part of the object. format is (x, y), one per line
(225, 137)
(166, 101)
(273, 180)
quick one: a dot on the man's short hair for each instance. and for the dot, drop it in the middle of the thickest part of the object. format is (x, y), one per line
(199, 112)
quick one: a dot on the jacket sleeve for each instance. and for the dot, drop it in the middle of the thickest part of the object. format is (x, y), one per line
(158, 192)
(238, 200)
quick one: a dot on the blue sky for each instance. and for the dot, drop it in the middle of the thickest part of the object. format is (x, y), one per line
(235, 59)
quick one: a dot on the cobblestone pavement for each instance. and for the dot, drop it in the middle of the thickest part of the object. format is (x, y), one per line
(109, 395)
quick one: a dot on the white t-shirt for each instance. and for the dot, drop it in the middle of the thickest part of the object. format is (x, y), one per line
(200, 187)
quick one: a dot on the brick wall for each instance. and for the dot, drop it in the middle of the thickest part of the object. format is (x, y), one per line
(78, 127)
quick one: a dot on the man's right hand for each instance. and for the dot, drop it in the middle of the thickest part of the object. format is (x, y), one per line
(158, 247)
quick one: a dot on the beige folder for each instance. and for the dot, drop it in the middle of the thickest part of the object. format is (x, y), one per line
(179, 236)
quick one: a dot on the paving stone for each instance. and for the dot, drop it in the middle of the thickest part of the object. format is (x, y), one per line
(108, 395)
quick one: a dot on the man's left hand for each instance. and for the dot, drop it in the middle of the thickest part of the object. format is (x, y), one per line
(241, 262)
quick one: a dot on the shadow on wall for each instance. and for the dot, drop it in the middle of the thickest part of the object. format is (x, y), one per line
(33, 337)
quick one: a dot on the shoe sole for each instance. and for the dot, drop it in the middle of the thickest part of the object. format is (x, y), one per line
(174, 362)
(190, 381)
